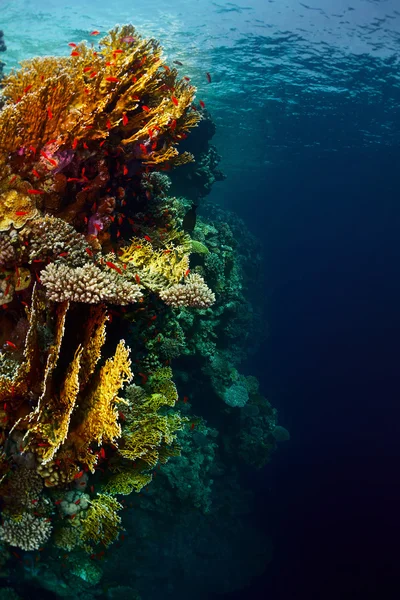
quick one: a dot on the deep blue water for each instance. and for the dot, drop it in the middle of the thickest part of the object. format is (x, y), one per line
(309, 133)
(331, 366)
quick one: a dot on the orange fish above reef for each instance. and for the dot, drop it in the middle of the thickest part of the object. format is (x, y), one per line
(74, 53)
(175, 100)
(72, 44)
(35, 192)
(202, 104)
(95, 32)
(112, 78)
(124, 119)
(112, 266)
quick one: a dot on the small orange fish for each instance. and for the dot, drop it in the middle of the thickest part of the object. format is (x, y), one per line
(32, 149)
(78, 475)
(28, 87)
(145, 108)
(202, 104)
(47, 157)
(118, 51)
(137, 278)
(185, 399)
(74, 53)
(49, 113)
(192, 426)
(108, 124)
(95, 32)
(86, 69)
(112, 266)
(173, 124)
(72, 44)
(74, 144)
(73, 179)
(147, 238)
(93, 74)
(124, 119)
(85, 146)
(21, 213)
(125, 170)
(110, 64)
(35, 192)
(88, 250)
(166, 67)
(112, 79)
(187, 272)
(11, 344)
(143, 148)
(102, 453)
(77, 502)
(36, 174)
(63, 254)
(175, 100)
(13, 179)
(186, 78)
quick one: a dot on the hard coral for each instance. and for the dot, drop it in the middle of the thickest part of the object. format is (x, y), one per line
(27, 533)
(194, 293)
(89, 284)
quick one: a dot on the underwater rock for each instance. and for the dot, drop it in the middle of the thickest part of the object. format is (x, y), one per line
(281, 434)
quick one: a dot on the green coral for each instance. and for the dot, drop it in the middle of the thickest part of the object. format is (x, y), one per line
(199, 248)
(102, 522)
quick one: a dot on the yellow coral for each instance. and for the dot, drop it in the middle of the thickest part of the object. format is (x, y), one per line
(127, 481)
(95, 335)
(157, 268)
(16, 209)
(100, 421)
(84, 97)
(101, 523)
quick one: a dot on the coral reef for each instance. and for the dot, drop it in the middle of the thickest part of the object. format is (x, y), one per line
(96, 259)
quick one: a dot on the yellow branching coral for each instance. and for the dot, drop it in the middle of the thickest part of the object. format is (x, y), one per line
(100, 420)
(127, 481)
(101, 523)
(86, 95)
(95, 335)
(158, 268)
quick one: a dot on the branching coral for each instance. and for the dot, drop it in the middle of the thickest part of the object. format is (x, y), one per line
(102, 523)
(158, 267)
(27, 532)
(89, 284)
(193, 293)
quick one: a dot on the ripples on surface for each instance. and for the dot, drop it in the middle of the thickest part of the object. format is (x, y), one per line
(287, 77)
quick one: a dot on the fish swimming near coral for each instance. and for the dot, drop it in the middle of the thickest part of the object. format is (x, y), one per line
(189, 220)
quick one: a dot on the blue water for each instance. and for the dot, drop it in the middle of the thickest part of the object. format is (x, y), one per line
(306, 100)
